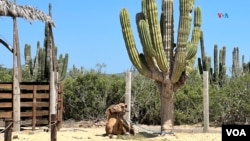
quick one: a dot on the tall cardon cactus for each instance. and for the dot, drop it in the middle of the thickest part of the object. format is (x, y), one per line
(163, 60)
(236, 70)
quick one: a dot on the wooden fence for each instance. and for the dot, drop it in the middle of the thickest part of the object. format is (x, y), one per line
(35, 105)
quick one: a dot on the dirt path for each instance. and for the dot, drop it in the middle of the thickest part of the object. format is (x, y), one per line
(144, 132)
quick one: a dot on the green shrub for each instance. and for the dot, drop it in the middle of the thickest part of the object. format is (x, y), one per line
(188, 101)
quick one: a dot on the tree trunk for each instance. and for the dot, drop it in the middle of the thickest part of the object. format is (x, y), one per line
(167, 107)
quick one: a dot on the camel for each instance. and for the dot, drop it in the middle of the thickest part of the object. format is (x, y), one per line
(116, 124)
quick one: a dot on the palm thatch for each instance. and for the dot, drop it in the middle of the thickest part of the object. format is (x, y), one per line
(29, 13)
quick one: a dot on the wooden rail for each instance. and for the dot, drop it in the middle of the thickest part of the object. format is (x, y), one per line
(34, 104)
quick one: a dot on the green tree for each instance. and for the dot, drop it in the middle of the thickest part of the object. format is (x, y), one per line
(88, 95)
(188, 101)
(5, 74)
(145, 100)
(230, 104)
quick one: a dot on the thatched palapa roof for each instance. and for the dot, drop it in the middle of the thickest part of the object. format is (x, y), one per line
(29, 13)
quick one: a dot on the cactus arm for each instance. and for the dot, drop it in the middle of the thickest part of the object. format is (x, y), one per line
(162, 22)
(183, 31)
(244, 66)
(43, 64)
(144, 9)
(210, 77)
(220, 63)
(130, 43)
(203, 55)
(222, 66)
(215, 63)
(27, 54)
(202, 46)
(145, 38)
(62, 66)
(143, 29)
(155, 32)
(36, 63)
(40, 60)
(28, 59)
(148, 49)
(191, 51)
(208, 64)
(236, 62)
(167, 20)
(196, 33)
(224, 61)
(197, 24)
(200, 66)
(194, 39)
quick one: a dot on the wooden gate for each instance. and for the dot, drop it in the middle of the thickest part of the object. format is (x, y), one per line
(35, 104)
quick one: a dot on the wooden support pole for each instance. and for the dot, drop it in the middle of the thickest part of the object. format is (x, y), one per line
(34, 108)
(16, 92)
(8, 130)
(53, 127)
(53, 88)
(16, 77)
(205, 101)
(60, 108)
(128, 96)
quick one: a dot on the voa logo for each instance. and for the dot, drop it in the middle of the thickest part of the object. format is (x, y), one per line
(222, 15)
(236, 132)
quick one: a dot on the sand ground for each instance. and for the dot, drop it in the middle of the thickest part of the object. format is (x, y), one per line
(94, 132)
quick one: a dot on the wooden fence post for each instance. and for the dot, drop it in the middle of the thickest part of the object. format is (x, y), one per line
(128, 96)
(8, 130)
(16, 102)
(205, 101)
(53, 128)
(34, 108)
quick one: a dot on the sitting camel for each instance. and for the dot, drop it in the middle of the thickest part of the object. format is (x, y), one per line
(116, 124)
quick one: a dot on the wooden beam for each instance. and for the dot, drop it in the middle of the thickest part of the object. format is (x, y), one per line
(6, 115)
(30, 87)
(37, 104)
(39, 95)
(38, 113)
(6, 86)
(5, 95)
(5, 105)
(26, 96)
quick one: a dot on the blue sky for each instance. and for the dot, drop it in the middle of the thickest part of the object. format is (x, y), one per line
(90, 30)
